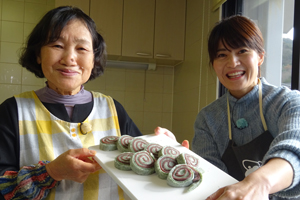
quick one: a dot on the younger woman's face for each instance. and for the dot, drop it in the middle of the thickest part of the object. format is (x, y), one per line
(237, 69)
(67, 63)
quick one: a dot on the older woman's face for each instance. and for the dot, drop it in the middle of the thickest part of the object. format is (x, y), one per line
(67, 63)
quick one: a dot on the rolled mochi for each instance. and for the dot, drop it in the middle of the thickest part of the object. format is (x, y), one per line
(185, 158)
(183, 175)
(122, 161)
(109, 143)
(137, 144)
(142, 163)
(168, 150)
(123, 143)
(153, 148)
(163, 166)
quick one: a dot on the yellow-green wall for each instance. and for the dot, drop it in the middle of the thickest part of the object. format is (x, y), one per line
(17, 18)
(146, 95)
(195, 83)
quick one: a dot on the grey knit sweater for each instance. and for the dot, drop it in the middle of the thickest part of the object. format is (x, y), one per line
(281, 109)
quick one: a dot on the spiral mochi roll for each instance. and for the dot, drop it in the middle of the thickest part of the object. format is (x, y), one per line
(153, 148)
(183, 175)
(123, 143)
(109, 143)
(137, 144)
(185, 158)
(164, 165)
(142, 163)
(122, 161)
(168, 150)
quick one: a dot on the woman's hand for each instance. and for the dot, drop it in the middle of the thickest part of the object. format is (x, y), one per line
(275, 175)
(74, 164)
(158, 130)
(244, 190)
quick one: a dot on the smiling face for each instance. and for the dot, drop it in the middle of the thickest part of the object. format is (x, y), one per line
(237, 69)
(67, 63)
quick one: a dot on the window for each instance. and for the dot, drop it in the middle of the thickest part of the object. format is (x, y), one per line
(296, 47)
(275, 20)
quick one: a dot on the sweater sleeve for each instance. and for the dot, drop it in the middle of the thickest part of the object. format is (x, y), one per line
(9, 136)
(286, 144)
(30, 182)
(204, 142)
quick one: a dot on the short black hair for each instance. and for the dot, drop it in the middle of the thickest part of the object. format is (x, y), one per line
(48, 30)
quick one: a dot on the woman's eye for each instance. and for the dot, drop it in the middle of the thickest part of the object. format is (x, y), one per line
(57, 46)
(81, 49)
(220, 55)
(243, 51)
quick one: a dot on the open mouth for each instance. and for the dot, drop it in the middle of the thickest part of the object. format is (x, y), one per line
(235, 74)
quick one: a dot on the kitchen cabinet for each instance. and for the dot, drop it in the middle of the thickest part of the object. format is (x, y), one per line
(169, 29)
(82, 4)
(108, 16)
(138, 28)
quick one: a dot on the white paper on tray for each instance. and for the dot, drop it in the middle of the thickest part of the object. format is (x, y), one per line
(151, 187)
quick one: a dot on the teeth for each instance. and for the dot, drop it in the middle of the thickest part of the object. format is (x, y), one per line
(235, 74)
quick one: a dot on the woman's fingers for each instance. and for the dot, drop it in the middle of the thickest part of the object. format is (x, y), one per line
(83, 152)
(186, 144)
(216, 195)
(158, 130)
(83, 160)
(74, 164)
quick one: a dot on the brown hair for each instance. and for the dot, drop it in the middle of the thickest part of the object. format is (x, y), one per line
(236, 31)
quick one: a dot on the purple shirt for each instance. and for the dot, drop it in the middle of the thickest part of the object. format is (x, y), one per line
(48, 95)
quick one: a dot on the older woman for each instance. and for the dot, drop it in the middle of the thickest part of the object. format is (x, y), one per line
(44, 134)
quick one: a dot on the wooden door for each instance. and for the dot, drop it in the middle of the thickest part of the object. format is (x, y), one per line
(138, 28)
(169, 29)
(108, 15)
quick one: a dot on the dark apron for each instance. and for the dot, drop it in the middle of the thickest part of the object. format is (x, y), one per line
(242, 160)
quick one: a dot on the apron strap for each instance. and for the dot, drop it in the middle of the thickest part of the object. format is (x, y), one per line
(260, 109)
(229, 121)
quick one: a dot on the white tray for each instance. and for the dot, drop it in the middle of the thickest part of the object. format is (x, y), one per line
(151, 187)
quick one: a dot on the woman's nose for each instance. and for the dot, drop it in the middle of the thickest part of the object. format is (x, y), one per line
(68, 58)
(233, 61)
